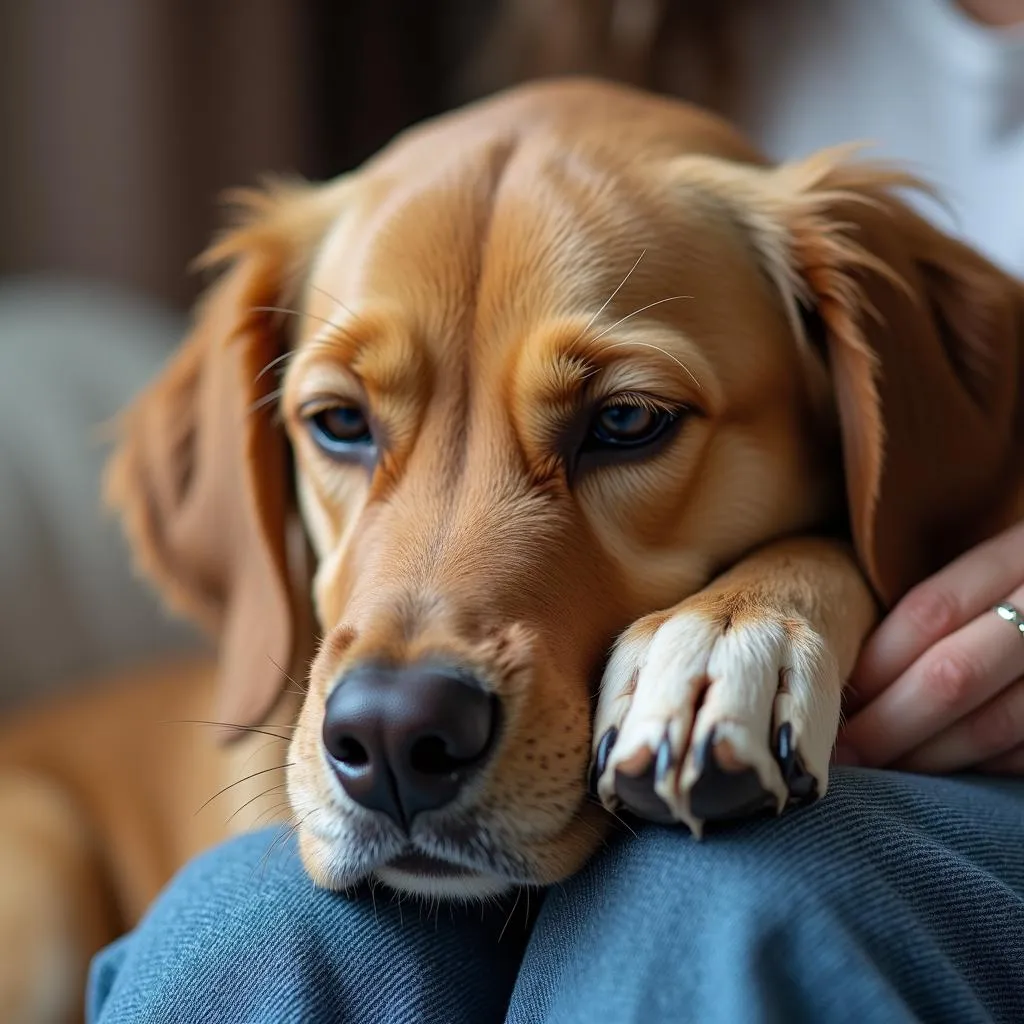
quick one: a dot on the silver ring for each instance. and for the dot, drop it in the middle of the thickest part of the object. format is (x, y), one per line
(1006, 611)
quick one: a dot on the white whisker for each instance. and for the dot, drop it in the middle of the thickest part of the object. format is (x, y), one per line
(590, 323)
(299, 313)
(273, 362)
(334, 298)
(320, 319)
(636, 312)
(657, 348)
(269, 399)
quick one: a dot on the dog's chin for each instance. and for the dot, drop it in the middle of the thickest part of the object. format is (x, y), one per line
(407, 870)
(462, 861)
(419, 874)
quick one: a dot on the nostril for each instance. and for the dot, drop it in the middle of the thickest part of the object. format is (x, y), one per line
(403, 741)
(430, 756)
(347, 750)
(462, 743)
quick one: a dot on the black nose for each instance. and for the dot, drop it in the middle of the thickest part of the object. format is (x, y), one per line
(405, 740)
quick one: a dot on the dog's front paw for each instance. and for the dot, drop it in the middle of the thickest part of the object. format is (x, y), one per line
(715, 711)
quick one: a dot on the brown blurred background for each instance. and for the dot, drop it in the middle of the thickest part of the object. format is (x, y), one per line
(124, 119)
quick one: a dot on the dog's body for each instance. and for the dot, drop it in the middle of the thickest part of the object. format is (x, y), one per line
(570, 368)
(103, 796)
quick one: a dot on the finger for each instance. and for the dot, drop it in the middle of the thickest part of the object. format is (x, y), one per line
(995, 728)
(1010, 763)
(954, 596)
(957, 675)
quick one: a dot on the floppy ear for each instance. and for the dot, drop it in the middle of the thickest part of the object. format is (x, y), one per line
(925, 341)
(201, 477)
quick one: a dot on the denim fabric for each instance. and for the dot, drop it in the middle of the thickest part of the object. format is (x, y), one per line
(242, 936)
(898, 898)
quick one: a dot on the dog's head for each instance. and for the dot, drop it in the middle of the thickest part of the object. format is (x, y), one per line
(554, 361)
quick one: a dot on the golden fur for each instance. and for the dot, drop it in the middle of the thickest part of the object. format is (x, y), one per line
(475, 286)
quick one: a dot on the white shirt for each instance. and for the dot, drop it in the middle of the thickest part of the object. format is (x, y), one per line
(918, 79)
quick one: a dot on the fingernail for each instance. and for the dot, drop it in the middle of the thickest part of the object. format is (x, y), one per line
(845, 754)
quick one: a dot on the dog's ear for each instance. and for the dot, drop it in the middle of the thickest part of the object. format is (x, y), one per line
(201, 474)
(925, 341)
(924, 338)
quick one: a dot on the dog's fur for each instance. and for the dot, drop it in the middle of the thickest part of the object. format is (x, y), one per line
(850, 384)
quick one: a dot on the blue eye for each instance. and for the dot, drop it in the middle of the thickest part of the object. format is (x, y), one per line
(628, 426)
(340, 429)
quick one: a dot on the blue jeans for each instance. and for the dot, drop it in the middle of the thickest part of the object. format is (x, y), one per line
(897, 898)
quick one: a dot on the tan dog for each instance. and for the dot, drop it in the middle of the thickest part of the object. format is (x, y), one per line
(570, 371)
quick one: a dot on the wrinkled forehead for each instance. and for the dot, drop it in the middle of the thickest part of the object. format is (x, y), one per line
(481, 248)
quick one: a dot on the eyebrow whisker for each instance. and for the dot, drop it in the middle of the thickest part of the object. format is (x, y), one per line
(334, 298)
(590, 322)
(299, 312)
(628, 316)
(274, 362)
(268, 399)
(657, 348)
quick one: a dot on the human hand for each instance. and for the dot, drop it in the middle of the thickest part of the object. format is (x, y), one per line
(939, 686)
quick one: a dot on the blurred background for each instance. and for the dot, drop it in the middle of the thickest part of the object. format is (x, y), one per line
(125, 118)
(122, 121)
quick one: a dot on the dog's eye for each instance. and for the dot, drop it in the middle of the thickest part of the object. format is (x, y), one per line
(340, 428)
(630, 425)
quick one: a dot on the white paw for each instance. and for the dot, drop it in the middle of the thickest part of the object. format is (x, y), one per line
(706, 715)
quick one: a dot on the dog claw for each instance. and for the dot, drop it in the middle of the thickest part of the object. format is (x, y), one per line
(636, 791)
(802, 786)
(718, 720)
(663, 762)
(604, 750)
(720, 793)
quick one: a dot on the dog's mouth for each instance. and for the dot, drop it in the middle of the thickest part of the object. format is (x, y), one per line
(469, 856)
(423, 864)
(422, 874)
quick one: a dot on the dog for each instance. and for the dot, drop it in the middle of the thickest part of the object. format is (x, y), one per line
(568, 446)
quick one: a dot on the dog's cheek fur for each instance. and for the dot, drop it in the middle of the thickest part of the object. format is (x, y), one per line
(315, 808)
